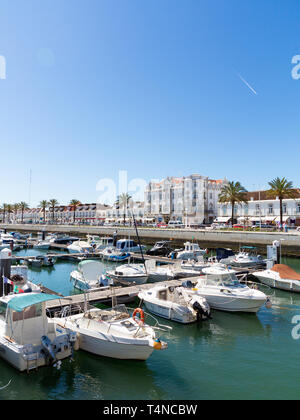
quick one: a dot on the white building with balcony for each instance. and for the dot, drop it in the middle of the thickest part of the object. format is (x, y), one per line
(260, 208)
(192, 199)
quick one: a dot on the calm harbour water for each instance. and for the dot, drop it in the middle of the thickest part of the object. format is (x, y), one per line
(233, 356)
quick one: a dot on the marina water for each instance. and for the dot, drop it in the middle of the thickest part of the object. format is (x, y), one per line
(233, 356)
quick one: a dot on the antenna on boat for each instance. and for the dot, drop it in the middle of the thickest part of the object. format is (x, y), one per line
(139, 241)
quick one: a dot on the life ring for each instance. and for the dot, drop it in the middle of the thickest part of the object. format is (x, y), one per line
(140, 311)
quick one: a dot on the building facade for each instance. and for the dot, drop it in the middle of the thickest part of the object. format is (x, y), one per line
(260, 208)
(84, 214)
(191, 199)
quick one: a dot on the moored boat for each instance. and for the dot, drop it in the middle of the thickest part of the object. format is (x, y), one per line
(114, 333)
(280, 276)
(27, 339)
(175, 304)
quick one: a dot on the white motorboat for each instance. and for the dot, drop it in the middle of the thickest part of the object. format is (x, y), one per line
(27, 339)
(247, 257)
(80, 247)
(223, 291)
(41, 261)
(197, 264)
(280, 276)
(128, 245)
(114, 333)
(88, 275)
(112, 254)
(158, 273)
(191, 250)
(20, 282)
(175, 304)
(100, 243)
(129, 274)
(42, 245)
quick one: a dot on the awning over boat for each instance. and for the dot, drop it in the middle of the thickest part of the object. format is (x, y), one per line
(222, 219)
(20, 302)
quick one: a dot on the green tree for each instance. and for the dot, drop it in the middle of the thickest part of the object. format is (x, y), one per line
(74, 203)
(4, 211)
(16, 208)
(53, 203)
(44, 205)
(122, 202)
(23, 206)
(233, 193)
(281, 188)
(9, 210)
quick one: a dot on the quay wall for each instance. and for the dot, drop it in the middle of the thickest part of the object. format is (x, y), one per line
(206, 238)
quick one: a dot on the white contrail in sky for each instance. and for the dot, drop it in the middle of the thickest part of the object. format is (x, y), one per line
(247, 84)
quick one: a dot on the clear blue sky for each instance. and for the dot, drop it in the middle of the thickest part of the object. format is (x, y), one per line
(154, 87)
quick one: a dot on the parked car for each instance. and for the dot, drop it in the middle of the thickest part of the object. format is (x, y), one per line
(162, 225)
(175, 224)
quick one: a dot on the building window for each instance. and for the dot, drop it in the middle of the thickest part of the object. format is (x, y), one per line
(257, 209)
(246, 209)
(298, 207)
(270, 208)
(284, 208)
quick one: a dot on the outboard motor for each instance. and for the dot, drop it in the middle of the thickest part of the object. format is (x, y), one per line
(202, 312)
(48, 348)
(188, 284)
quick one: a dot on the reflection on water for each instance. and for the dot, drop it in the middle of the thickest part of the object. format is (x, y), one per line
(231, 356)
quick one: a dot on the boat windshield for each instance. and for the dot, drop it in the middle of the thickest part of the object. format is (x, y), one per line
(228, 280)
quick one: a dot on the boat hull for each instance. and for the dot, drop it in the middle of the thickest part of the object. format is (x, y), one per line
(168, 313)
(233, 304)
(13, 354)
(114, 350)
(282, 284)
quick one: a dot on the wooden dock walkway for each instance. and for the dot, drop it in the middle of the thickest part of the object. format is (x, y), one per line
(105, 295)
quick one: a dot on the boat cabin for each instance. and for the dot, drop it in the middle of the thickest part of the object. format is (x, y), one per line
(126, 244)
(24, 317)
(191, 247)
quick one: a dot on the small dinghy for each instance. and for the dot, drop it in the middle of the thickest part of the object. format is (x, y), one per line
(280, 276)
(175, 304)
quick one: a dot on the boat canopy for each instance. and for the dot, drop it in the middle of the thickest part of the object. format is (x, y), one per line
(90, 269)
(20, 302)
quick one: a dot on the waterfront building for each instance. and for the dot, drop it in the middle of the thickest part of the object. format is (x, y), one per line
(115, 214)
(84, 214)
(191, 200)
(260, 208)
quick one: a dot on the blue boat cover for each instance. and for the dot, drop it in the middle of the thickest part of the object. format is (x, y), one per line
(20, 302)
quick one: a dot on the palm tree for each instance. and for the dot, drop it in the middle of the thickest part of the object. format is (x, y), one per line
(123, 201)
(52, 203)
(232, 193)
(16, 207)
(9, 210)
(43, 205)
(4, 210)
(74, 203)
(281, 188)
(23, 206)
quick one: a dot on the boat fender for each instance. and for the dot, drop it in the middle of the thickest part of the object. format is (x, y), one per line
(268, 303)
(141, 320)
(157, 344)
